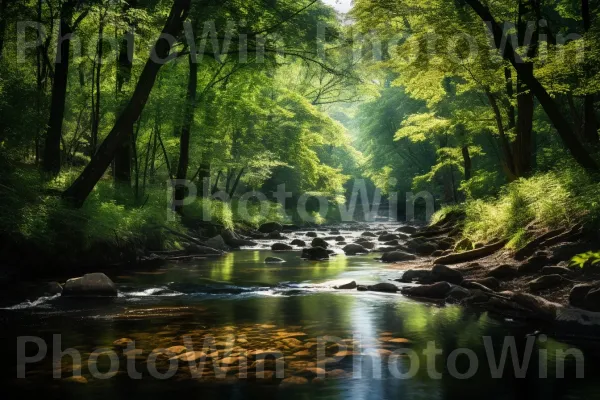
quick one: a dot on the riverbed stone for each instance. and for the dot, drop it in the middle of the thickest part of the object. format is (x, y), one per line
(273, 260)
(281, 247)
(421, 247)
(437, 290)
(411, 275)
(340, 239)
(579, 292)
(397, 256)
(368, 234)
(311, 234)
(392, 243)
(504, 271)
(457, 294)
(315, 253)
(387, 237)
(546, 282)
(489, 282)
(334, 232)
(216, 242)
(353, 249)
(269, 227)
(347, 286)
(90, 285)
(444, 273)
(383, 287)
(298, 242)
(319, 242)
(407, 229)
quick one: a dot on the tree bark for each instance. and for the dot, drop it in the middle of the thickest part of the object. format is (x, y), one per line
(96, 111)
(122, 161)
(554, 113)
(78, 192)
(236, 182)
(467, 162)
(52, 159)
(3, 4)
(204, 180)
(216, 185)
(590, 124)
(508, 162)
(523, 146)
(184, 142)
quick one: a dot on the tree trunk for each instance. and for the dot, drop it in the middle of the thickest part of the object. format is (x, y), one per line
(508, 162)
(96, 111)
(52, 157)
(590, 124)
(216, 185)
(184, 142)
(523, 146)
(122, 161)
(78, 192)
(466, 162)
(236, 182)
(3, 4)
(554, 113)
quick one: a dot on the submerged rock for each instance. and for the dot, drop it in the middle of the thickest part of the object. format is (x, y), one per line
(274, 260)
(350, 285)
(281, 247)
(396, 256)
(438, 290)
(90, 285)
(383, 287)
(315, 253)
(354, 248)
(407, 229)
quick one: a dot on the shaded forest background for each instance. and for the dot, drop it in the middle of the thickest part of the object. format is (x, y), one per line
(262, 93)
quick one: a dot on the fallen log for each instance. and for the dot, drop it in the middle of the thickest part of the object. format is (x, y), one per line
(470, 255)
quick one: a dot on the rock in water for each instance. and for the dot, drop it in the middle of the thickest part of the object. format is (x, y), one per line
(216, 242)
(270, 227)
(407, 229)
(315, 253)
(387, 237)
(351, 285)
(443, 273)
(578, 294)
(368, 234)
(354, 248)
(281, 247)
(318, 242)
(311, 234)
(90, 285)
(438, 290)
(273, 260)
(384, 287)
(298, 242)
(395, 256)
(415, 274)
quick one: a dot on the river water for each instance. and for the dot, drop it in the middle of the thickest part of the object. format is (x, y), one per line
(329, 343)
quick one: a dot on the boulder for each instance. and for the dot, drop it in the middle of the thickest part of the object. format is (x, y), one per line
(350, 285)
(411, 275)
(354, 248)
(387, 237)
(421, 247)
(443, 273)
(90, 285)
(311, 234)
(396, 256)
(457, 294)
(592, 300)
(291, 227)
(234, 240)
(533, 264)
(298, 242)
(445, 244)
(275, 235)
(407, 229)
(281, 247)
(504, 271)
(53, 288)
(489, 282)
(392, 243)
(438, 290)
(556, 270)
(334, 232)
(437, 253)
(319, 242)
(383, 287)
(546, 282)
(216, 242)
(367, 245)
(578, 294)
(463, 245)
(270, 227)
(362, 288)
(368, 234)
(315, 253)
(341, 243)
(273, 260)
(340, 239)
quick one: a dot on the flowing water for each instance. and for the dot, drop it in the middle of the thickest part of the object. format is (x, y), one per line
(229, 308)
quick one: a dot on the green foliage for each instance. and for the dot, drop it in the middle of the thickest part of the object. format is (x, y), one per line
(591, 258)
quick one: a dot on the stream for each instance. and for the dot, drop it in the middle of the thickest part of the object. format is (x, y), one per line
(373, 343)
